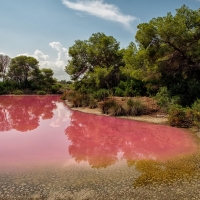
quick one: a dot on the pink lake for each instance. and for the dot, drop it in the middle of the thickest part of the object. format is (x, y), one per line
(37, 130)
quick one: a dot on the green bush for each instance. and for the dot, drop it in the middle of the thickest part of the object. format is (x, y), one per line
(131, 87)
(56, 88)
(135, 107)
(41, 92)
(17, 92)
(77, 99)
(196, 113)
(180, 117)
(163, 99)
(111, 107)
(101, 94)
(119, 92)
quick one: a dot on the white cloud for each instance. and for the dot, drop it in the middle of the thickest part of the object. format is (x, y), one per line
(102, 10)
(62, 52)
(58, 65)
(40, 56)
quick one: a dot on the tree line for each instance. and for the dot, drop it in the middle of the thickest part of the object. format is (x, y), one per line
(164, 60)
(22, 75)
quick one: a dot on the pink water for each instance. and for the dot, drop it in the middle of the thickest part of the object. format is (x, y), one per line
(42, 130)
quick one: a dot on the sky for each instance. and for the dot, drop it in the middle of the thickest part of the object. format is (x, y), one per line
(45, 29)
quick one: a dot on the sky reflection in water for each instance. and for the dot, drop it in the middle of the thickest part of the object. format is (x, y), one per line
(35, 129)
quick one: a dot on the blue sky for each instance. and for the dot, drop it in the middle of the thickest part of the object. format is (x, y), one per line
(46, 29)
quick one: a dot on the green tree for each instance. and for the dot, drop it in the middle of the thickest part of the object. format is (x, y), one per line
(21, 68)
(172, 48)
(42, 79)
(49, 81)
(173, 42)
(90, 57)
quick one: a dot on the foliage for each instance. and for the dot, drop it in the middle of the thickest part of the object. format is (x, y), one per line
(131, 87)
(135, 107)
(171, 48)
(119, 92)
(111, 107)
(188, 90)
(17, 92)
(41, 92)
(6, 87)
(165, 39)
(163, 99)
(196, 113)
(93, 103)
(20, 69)
(99, 50)
(64, 96)
(101, 94)
(180, 117)
(57, 88)
(95, 63)
(77, 99)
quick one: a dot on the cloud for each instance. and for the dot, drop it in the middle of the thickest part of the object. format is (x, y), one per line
(62, 52)
(102, 10)
(40, 56)
(58, 65)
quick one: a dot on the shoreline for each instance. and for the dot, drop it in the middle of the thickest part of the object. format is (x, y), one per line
(144, 118)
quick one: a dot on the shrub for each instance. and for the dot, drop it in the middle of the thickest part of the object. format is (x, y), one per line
(163, 99)
(41, 92)
(180, 117)
(18, 92)
(196, 113)
(77, 99)
(111, 107)
(119, 92)
(56, 88)
(64, 96)
(85, 100)
(135, 107)
(101, 94)
(131, 87)
(93, 103)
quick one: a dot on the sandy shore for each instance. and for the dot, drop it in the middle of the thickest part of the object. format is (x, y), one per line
(158, 119)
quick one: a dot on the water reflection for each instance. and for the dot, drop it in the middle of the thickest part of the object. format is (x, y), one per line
(100, 140)
(42, 119)
(23, 113)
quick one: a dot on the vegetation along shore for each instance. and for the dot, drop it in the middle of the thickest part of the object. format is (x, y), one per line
(158, 76)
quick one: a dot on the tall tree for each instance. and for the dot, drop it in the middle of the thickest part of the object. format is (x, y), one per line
(172, 50)
(172, 42)
(99, 51)
(4, 64)
(21, 68)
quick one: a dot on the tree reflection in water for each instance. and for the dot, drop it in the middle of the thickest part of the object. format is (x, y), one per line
(99, 140)
(23, 113)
